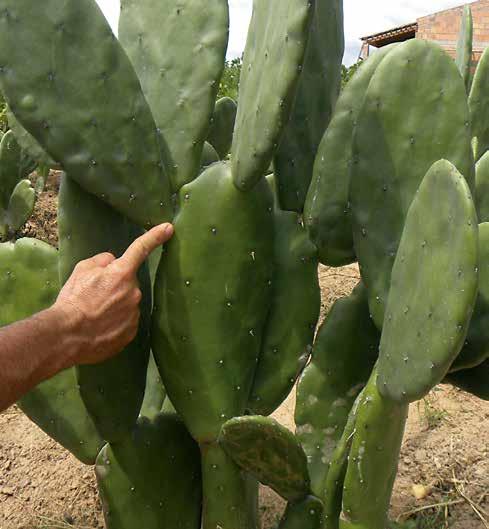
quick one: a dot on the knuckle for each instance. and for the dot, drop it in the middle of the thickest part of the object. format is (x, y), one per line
(138, 295)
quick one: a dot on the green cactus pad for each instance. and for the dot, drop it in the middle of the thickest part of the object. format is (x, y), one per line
(178, 49)
(296, 301)
(305, 514)
(155, 393)
(21, 205)
(220, 134)
(327, 212)
(415, 113)
(268, 451)
(317, 92)
(464, 46)
(28, 143)
(29, 283)
(479, 107)
(113, 390)
(345, 351)
(332, 486)
(209, 156)
(474, 381)
(212, 296)
(83, 103)
(433, 287)
(152, 478)
(372, 462)
(482, 188)
(272, 64)
(476, 347)
(14, 166)
(230, 496)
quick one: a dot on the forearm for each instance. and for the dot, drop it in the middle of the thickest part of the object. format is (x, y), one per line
(32, 351)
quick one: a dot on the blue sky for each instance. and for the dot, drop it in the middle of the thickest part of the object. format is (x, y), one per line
(361, 18)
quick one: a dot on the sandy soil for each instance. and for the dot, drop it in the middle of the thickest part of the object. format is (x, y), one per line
(445, 452)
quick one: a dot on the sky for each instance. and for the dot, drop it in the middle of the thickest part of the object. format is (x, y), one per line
(361, 18)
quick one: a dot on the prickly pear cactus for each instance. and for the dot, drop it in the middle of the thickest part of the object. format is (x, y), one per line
(464, 46)
(415, 113)
(294, 312)
(220, 134)
(261, 446)
(112, 391)
(104, 133)
(345, 351)
(372, 461)
(317, 92)
(476, 346)
(17, 197)
(422, 337)
(479, 107)
(151, 479)
(272, 63)
(178, 48)
(327, 213)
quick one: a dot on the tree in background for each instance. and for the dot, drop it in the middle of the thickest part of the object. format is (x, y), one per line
(230, 79)
(348, 72)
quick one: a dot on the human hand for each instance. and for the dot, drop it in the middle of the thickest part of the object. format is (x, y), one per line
(99, 304)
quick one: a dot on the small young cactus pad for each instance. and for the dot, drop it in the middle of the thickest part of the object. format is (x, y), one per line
(268, 451)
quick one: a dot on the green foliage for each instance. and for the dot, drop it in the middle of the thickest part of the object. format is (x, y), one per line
(347, 72)
(229, 85)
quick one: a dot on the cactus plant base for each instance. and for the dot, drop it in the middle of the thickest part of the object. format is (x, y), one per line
(230, 495)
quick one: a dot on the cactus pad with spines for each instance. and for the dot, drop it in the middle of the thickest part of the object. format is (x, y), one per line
(291, 322)
(177, 48)
(272, 63)
(479, 106)
(83, 103)
(344, 353)
(209, 156)
(220, 134)
(415, 113)
(332, 485)
(317, 92)
(230, 495)
(21, 205)
(482, 188)
(212, 296)
(433, 287)
(305, 514)
(151, 479)
(27, 142)
(372, 462)
(327, 212)
(154, 394)
(476, 346)
(464, 46)
(113, 391)
(268, 451)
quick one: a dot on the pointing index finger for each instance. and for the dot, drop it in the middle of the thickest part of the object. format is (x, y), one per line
(140, 249)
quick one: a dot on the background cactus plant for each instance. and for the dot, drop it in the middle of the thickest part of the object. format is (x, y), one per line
(233, 299)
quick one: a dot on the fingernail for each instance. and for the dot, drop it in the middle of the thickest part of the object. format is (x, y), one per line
(168, 229)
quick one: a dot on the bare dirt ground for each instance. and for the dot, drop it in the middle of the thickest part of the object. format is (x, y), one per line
(445, 455)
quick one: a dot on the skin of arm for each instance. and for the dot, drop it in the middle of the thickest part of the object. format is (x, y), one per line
(94, 317)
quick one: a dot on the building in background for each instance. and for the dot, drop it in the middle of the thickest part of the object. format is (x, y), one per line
(442, 27)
